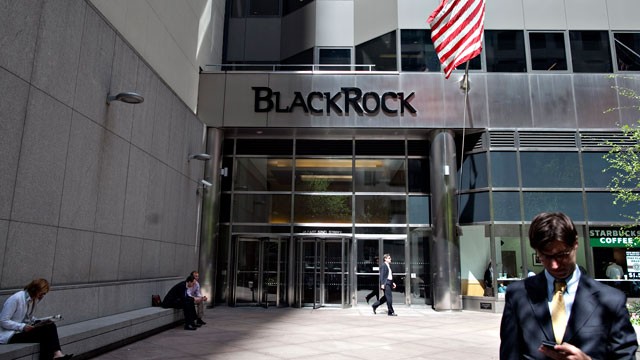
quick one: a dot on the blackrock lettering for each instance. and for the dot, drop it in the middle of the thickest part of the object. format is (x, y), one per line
(317, 102)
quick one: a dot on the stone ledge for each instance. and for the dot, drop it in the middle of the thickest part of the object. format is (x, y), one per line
(88, 338)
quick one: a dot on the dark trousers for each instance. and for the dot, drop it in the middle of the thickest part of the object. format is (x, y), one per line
(46, 335)
(388, 297)
(187, 305)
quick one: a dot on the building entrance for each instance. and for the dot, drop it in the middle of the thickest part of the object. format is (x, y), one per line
(260, 278)
(322, 271)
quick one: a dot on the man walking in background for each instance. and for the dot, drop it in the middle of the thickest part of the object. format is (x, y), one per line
(386, 284)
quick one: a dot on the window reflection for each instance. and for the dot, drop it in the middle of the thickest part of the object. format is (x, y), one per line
(380, 175)
(475, 254)
(380, 209)
(263, 174)
(262, 208)
(548, 51)
(321, 175)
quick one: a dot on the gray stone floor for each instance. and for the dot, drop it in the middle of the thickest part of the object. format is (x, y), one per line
(258, 333)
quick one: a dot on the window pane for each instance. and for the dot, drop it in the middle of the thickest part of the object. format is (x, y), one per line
(380, 147)
(324, 147)
(569, 203)
(475, 254)
(380, 175)
(550, 169)
(417, 51)
(262, 208)
(264, 147)
(504, 169)
(263, 174)
(505, 51)
(380, 52)
(474, 64)
(264, 7)
(474, 207)
(627, 50)
(593, 164)
(322, 208)
(238, 8)
(321, 175)
(547, 51)
(379, 209)
(419, 175)
(590, 51)
(506, 206)
(334, 56)
(600, 207)
(419, 210)
(474, 172)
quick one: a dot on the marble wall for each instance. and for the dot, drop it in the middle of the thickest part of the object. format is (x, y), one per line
(99, 199)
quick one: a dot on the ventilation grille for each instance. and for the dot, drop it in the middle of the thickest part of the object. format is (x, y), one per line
(605, 139)
(503, 139)
(547, 139)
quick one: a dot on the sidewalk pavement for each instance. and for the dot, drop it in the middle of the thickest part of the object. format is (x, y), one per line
(325, 333)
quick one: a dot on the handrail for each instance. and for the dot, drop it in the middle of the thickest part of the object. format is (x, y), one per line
(289, 67)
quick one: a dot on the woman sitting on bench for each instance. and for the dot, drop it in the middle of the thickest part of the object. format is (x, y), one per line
(17, 325)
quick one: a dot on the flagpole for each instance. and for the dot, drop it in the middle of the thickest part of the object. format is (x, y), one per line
(464, 85)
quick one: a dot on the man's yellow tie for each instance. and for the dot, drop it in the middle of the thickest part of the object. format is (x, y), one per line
(558, 311)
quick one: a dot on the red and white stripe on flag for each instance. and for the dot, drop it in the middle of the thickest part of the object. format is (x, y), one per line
(457, 28)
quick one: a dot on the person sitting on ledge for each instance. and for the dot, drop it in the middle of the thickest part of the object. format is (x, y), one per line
(17, 325)
(178, 298)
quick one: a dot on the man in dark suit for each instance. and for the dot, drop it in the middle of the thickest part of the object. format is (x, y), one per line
(563, 305)
(386, 284)
(178, 298)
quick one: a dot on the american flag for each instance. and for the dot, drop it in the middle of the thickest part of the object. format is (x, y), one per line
(457, 28)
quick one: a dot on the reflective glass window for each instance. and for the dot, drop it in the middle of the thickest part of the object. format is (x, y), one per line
(590, 51)
(474, 64)
(550, 169)
(334, 56)
(474, 171)
(419, 175)
(505, 51)
(594, 176)
(509, 264)
(547, 51)
(506, 206)
(322, 175)
(419, 265)
(419, 210)
(262, 208)
(380, 147)
(380, 175)
(380, 52)
(238, 8)
(263, 174)
(264, 147)
(627, 49)
(569, 203)
(474, 207)
(324, 147)
(380, 209)
(504, 169)
(322, 208)
(264, 7)
(475, 257)
(600, 207)
(417, 51)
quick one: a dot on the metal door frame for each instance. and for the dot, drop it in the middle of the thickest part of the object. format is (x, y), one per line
(319, 261)
(261, 299)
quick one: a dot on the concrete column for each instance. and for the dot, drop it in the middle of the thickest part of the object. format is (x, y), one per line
(210, 212)
(445, 244)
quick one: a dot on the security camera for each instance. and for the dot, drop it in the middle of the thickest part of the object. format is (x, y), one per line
(205, 183)
(201, 157)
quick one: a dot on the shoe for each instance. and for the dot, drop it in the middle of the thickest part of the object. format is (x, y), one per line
(68, 356)
(368, 300)
(393, 314)
(200, 322)
(374, 308)
(195, 324)
(190, 327)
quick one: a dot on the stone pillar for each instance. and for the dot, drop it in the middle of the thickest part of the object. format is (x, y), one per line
(445, 244)
(210, 210)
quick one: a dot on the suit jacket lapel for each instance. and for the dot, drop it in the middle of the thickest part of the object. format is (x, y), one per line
(537, 293)
(583, 306)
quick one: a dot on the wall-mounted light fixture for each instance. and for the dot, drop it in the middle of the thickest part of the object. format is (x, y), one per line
(205, 183)
(126, 97)
(201, 157)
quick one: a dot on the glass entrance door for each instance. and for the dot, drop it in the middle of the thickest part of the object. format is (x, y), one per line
(369, 257)
(260, 272)
(322, 272)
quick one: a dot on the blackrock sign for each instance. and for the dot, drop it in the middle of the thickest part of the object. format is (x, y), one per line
(339, 102)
